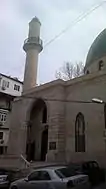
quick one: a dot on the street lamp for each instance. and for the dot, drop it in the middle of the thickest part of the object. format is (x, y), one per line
(96, 100)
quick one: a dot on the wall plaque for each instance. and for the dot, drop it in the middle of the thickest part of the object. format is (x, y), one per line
(52, 145)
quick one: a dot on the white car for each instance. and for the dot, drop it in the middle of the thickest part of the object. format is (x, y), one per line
(59, 177)
(4, 182)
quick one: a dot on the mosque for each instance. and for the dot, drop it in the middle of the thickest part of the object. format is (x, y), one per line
(60, 121)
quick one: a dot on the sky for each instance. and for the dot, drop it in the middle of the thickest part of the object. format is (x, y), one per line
(55, 15)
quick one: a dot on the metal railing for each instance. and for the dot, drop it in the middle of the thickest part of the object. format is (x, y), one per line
(34, 40)
(27, 164)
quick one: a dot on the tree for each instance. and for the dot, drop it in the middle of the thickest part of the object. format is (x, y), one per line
(70, 70)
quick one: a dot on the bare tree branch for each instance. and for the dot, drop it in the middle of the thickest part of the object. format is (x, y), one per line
(70, 70)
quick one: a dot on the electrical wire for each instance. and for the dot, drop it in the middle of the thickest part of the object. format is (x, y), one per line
(77, 20)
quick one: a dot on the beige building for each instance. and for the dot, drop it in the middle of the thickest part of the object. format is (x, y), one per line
(58, 121)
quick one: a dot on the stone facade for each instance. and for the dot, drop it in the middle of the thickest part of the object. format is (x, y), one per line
(91, 86)
(55, 118)
(62, 108)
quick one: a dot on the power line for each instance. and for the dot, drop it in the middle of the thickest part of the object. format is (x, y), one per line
(78, 19)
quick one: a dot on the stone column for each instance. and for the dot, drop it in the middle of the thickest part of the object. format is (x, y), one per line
(56, 132)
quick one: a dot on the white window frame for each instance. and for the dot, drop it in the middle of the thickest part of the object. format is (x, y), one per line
(5, 84)
(3, 116)
(16, 87)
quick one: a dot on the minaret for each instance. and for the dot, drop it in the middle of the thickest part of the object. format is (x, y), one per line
(32, 46)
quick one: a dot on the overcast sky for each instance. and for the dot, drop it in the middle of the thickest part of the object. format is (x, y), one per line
(54, 15)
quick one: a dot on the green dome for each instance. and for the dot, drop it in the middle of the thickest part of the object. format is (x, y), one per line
(97, 50)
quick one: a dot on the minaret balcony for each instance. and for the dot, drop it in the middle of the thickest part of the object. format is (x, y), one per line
(33, 43)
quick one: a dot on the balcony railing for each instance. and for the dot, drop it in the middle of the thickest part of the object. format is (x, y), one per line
(27, 163)
(34, 40)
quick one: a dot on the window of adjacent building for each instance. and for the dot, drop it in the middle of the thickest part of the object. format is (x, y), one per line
(5, 84)
(8, 84)
(1, 135)
(80, 133)
(16, 87)
(101, 64)
(3, 150)
(3, 117)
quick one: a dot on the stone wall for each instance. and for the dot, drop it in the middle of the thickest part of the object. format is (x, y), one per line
(93, 115)
(62, 112)
(20, 116)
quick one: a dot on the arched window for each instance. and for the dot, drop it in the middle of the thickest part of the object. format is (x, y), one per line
(80, 133)
(101, 64)
(87, 72)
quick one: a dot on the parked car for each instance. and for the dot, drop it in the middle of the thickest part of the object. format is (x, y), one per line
(59, 177)
(4, 180)
(92, 169)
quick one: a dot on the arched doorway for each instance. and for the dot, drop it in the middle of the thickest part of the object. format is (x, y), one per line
(37, 132)
(80, 133)
(44, 143)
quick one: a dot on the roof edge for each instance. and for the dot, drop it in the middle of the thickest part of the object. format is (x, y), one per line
(9, 77)
(85, 78)
(44, 86)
